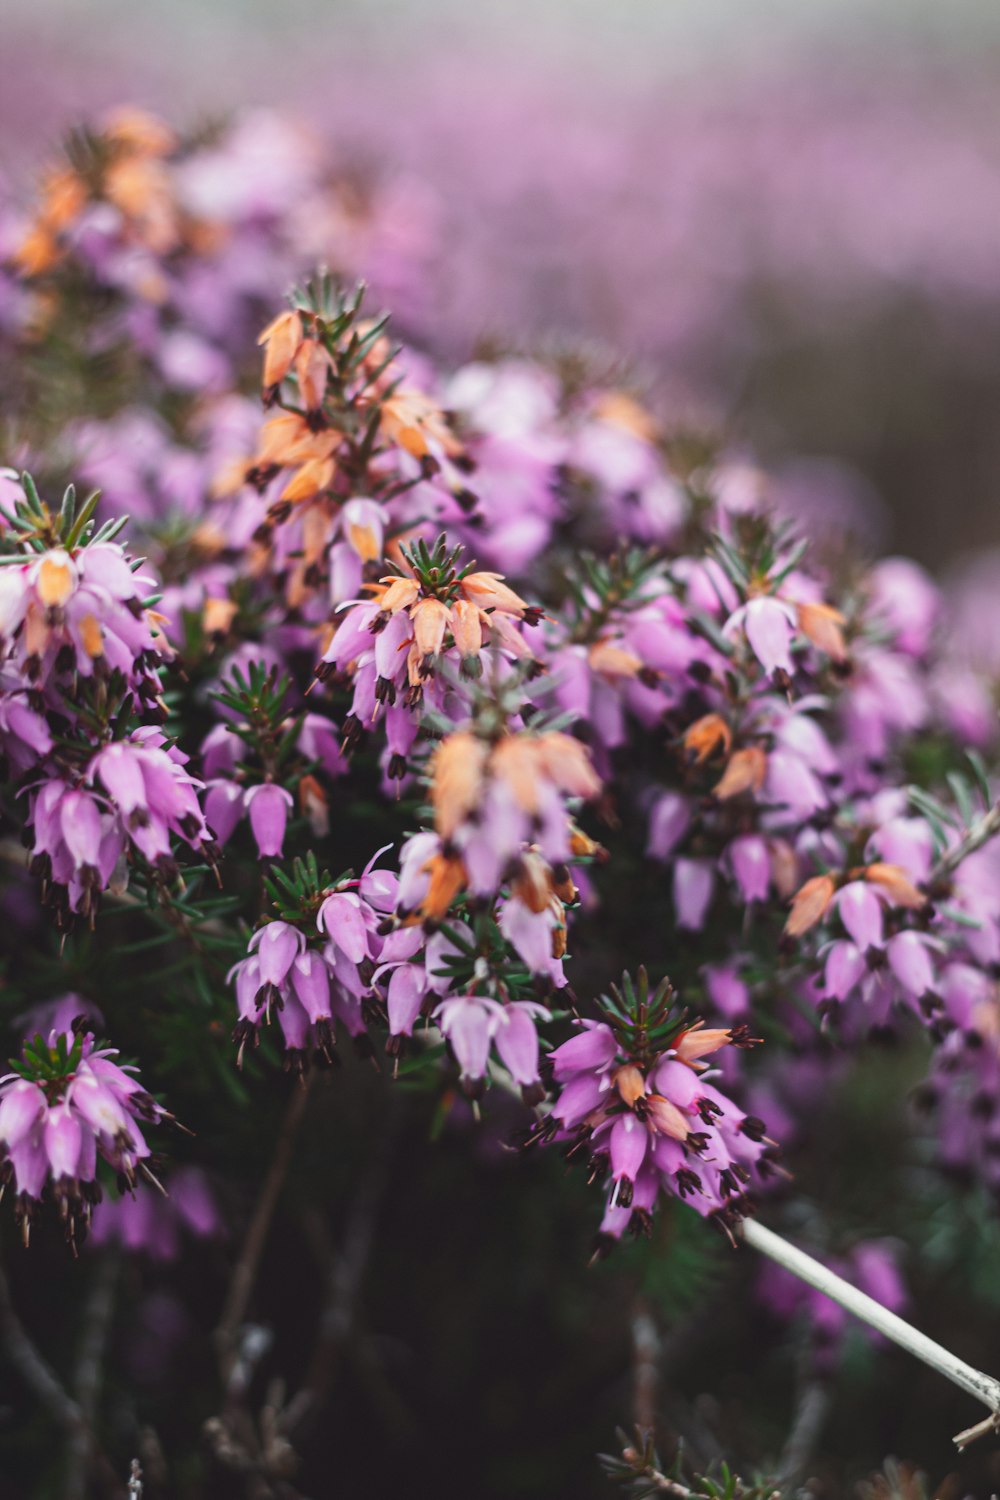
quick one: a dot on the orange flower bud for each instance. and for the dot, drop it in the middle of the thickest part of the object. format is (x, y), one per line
(900, 889)
(457, 770)
(467, 627)
(515, 761)
(37, 252)
(744, 773)
(36, 631)
(314, 806)
(281, 339)
(410, 418)
(399, 593)
(624, 411)
(55, 580)
(91, 635)
(312, 366)
(612, 661)
(448, 878)
(430, 619)
(489, 591)
(699, 1040)
(286, 439)
(217, 615)
(64, 195)
(315, 475)
(707, 735)
(583, 847)
(666, 1118)
(564, 886)
(821, 624)
(630, 1083)
(532, 885)
(566, 762)
(784, 867)
(810, 904)
(229, 480)
(141, 133)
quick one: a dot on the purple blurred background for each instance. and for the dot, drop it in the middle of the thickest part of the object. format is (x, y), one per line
(784, 219)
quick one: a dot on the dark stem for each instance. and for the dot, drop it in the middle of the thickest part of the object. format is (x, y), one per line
(50, 1392)
(97, 1318)
(810, 1414)
(245, 1271)
(645, 1365)
(346, 1266)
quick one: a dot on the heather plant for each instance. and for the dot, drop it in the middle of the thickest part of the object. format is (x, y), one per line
(467, 768)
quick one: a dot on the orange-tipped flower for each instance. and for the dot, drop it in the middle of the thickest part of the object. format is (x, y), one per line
(666, 1118)
(613, 661)
(515, 761)
(430, 619)
(707, 735)
(699, 1041)
(744, 773)
(141, 133)
(810, 904)
(630, 1083)
(56, 579)
(281, 339)
(897, 885)
(312, 367)
(286, 439)
(822, 624)
(566, 762)
(448, 878)
(456, 780)
(532, 885)
(411, 419)
(398, 593)
(467, 627)
(314, 476)
(488, 591)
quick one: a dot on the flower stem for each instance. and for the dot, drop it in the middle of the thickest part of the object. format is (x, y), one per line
(984, 829)
(984, 1387)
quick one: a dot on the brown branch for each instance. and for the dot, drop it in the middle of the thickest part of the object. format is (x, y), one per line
(40, 1378)
(810, 1414)
(984, 829)
(34, 1370)
(645, 1366)
(245, 1271)
(97, 1316)
(346, 1267)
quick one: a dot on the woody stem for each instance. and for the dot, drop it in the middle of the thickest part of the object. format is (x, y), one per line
(984, 1387)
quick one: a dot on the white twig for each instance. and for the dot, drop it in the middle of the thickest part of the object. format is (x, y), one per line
(815, 1274)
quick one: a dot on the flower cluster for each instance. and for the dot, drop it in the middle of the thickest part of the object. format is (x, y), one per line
(484, 617)
(65, 1108)
(635, 1103)
(81, 704)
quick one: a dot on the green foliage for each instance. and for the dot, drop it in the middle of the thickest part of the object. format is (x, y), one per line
(640, 1471)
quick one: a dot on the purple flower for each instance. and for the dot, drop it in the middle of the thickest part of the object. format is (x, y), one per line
(268, 806)
(469, 1023)
(51, 1136)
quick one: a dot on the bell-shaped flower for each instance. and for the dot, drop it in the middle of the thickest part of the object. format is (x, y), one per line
(268, 806)
(516, 1040)
(277, 945)
(860, 911)
(469, 1023)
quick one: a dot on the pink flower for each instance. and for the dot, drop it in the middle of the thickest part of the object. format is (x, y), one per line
(268, 806)
(469, 1023)
(769, 626)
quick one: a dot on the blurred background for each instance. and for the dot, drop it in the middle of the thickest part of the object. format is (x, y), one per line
(783, 221)
(784, 217)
